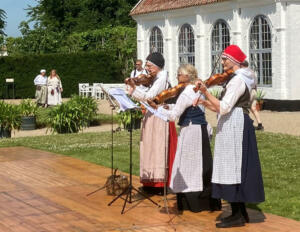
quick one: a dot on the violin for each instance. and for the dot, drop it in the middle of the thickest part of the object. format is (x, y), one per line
(167, 94)
(142, 79)
(216, 79)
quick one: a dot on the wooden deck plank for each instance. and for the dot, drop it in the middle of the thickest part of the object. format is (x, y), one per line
(45, 192)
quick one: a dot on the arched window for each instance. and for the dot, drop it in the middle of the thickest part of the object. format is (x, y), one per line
(261, 50)
(220, 39)
(156, 41)
(186, 45)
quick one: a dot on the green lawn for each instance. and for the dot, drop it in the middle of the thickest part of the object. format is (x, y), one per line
(279, 155)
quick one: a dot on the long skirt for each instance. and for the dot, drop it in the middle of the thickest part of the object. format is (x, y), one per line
(201, 200)
(158, 144)
(41, 94)
(251, 189)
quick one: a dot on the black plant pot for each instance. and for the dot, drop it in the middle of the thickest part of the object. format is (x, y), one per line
(28, 123)
(5, 133)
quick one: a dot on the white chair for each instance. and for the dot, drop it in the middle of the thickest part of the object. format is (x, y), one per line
(85, 89)
(97, 91)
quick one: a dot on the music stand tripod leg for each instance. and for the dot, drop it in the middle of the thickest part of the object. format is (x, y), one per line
(131, 187)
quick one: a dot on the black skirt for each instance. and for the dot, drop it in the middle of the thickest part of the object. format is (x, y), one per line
(199, 201)
(251, 189)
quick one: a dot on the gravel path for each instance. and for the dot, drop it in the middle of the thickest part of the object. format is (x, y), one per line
(276, 122)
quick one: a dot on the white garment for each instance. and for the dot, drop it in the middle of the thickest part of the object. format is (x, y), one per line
(228, 149)
(54, 85)
(187, 166)
(137, 73)
(160, 84)
(235, 89)
(40, 80)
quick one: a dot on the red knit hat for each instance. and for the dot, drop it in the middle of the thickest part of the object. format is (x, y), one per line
(234, 53)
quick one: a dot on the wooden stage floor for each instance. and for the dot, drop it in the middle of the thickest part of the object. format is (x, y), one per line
(43, 192)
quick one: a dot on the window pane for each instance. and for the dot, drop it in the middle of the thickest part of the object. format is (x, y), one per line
(261, 50)
(186, 45)
(156, 41)
(220, 39)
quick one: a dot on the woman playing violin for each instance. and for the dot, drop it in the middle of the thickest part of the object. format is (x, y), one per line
(192, 168)
(156, 134)
(237, 174)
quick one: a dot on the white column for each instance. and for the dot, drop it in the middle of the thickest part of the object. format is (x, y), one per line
(140, 41)
(202, 47)
(281, 34)
(236, 29)
(169, 54)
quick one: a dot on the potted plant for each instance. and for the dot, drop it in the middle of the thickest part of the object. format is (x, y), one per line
(28, 111)
(10, 119)
(124, 119)
(259, 99)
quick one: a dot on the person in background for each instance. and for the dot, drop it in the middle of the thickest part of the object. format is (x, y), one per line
(41, 88)
(138, 69)
(54, 89)
(253, 100)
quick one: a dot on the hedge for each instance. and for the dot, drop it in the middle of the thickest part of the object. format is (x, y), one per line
(72, 68)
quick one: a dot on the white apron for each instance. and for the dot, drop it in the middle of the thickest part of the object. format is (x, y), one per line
(187, 166)
(228, 150)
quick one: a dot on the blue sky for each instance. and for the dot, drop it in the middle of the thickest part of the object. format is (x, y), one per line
(15, 14)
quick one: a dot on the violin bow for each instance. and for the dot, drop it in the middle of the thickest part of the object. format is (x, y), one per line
(214, 68)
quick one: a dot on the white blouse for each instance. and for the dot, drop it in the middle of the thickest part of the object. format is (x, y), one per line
(234, 90)
(160, 84)
(184, 101)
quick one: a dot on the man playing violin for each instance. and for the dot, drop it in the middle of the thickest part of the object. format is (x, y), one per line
(158, 138)
(237, 176)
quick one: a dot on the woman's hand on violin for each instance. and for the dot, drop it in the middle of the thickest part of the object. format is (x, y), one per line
(199, 101)
(201, 86)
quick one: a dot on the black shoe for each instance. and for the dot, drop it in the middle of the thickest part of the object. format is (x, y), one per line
(259, 127)
(232, 221)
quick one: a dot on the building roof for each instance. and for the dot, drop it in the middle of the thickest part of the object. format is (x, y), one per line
(150, 6)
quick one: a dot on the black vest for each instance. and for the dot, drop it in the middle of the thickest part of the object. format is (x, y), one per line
(194, 115)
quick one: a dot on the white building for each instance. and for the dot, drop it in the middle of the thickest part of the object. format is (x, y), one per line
(196, 31)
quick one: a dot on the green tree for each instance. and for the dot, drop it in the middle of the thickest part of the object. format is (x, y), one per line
(81, 15)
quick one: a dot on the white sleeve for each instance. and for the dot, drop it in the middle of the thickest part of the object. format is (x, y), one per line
(235, 89)
(132, 74)
(36, 80)
(182, 103)
(158, 86)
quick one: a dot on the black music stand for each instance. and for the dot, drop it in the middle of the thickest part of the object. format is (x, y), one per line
(130, 188)
(113, 106)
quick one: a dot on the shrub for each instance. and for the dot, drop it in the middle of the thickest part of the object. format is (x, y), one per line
(10, 117)
(28, 108)
(72, 116)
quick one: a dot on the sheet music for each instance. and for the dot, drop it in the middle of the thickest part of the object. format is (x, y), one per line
(154, 111)
(124, 101)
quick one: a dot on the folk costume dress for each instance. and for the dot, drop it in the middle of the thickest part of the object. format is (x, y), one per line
(192, 168)
(54, 94)
(158, 138)
(237, 173)
(41, 89)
